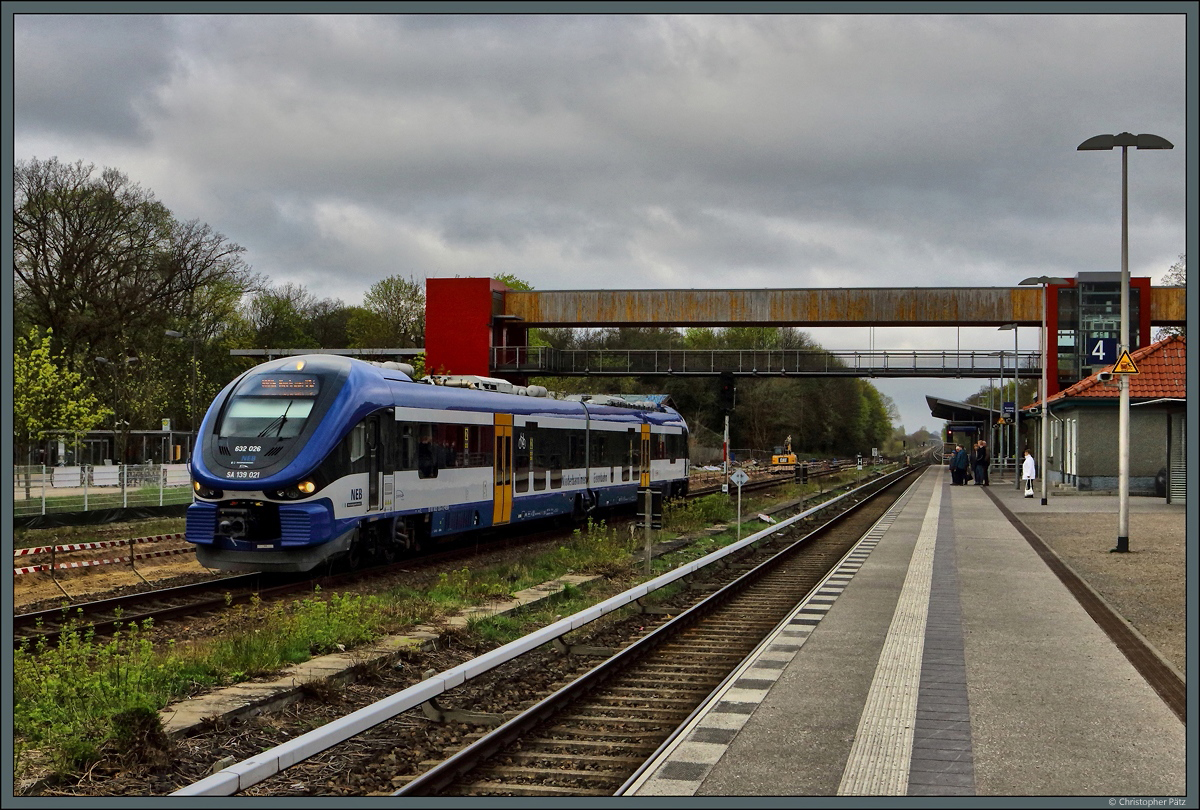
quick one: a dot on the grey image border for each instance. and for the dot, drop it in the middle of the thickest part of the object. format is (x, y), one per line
(12, 9)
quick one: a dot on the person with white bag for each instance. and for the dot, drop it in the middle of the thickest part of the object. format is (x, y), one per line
(1028, 472)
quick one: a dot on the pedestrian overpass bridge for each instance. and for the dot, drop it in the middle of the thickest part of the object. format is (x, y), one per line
(546, 361)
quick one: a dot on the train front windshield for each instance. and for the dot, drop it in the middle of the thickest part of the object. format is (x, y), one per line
(270, 406)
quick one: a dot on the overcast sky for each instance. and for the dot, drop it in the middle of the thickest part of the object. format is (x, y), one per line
(636, 151)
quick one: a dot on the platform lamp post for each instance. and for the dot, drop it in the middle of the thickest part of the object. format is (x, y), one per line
(1044, 281)
(120, 435)
(1104, 143)
(192, 391)
(1016, 432)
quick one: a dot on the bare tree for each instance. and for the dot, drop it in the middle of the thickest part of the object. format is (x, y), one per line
(102, 263)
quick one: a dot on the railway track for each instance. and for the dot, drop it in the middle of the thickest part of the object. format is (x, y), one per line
(589, 737)
(159, 606)
(103, 617)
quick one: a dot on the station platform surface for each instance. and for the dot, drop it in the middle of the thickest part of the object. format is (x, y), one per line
(942, 658)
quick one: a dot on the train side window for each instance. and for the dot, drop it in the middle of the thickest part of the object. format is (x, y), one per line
(427, 463)
(447, 444)
(357, 442)
(407, 447)
(484, 438)
(575, 454)
(599, 451)
(674, 442)
(521, 452)
(538, 448)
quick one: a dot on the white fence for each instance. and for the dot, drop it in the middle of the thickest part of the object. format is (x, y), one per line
(40, 490)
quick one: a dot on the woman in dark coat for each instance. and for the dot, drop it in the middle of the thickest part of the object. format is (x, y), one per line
(981, 463)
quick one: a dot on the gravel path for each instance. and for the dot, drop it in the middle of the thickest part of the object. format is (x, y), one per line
(1148, 586)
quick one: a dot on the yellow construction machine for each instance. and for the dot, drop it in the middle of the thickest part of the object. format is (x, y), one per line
(783, 459)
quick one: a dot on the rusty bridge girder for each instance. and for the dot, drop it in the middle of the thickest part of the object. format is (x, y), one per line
(908, 306)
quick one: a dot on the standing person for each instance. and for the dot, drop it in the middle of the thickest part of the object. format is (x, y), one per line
(1028, 472)
(981, 464)
(958, 466)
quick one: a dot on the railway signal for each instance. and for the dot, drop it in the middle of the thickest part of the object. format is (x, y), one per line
(727, 392)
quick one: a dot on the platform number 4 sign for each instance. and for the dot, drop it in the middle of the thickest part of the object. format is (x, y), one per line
(1101, 351)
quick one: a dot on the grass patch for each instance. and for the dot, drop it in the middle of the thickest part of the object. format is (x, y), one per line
(84, 698)
(498, 629)
(697, 513)
(106, 498)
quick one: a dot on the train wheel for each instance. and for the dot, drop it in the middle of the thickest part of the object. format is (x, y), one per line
(385, 552)
(405, 537)
(385, 549)
(585, 504)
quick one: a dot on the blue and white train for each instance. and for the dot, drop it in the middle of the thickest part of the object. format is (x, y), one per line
(310, 459)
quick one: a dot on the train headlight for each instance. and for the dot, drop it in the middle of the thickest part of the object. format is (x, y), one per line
(206, 492)
(295, 492)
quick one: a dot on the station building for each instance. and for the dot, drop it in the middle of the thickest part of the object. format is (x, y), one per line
(1084, 423)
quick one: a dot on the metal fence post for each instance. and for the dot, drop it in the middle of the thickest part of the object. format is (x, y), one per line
(43, 489)
(85, 472)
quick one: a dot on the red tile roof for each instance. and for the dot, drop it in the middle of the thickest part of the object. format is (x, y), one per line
(1162, 373)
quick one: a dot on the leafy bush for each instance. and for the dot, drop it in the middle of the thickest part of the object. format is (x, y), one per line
(699, 512)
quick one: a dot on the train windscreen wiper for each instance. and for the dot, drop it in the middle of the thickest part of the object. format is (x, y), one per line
(277, 423)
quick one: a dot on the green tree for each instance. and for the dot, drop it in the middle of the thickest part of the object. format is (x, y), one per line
(329, 323)
(278, 318)
(48, 397)
(392, 316)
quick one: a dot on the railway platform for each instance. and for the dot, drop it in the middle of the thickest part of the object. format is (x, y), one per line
(944, 657)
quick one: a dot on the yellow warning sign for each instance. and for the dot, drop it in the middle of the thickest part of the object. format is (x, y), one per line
(1125, 365)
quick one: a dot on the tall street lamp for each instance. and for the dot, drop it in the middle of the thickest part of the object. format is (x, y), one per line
(119, 433)
(1016, 434)
(1045, 281)
(192, 392)
(1108, 142)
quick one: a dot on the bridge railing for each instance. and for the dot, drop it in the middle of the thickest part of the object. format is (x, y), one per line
(747, 362)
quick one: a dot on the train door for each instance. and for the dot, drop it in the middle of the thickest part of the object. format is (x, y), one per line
(645, 457)
(502, 488)
(374, 462)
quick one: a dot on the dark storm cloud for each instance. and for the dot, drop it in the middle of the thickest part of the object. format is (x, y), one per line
(662, 150)
(88, 74)
(626, 151)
